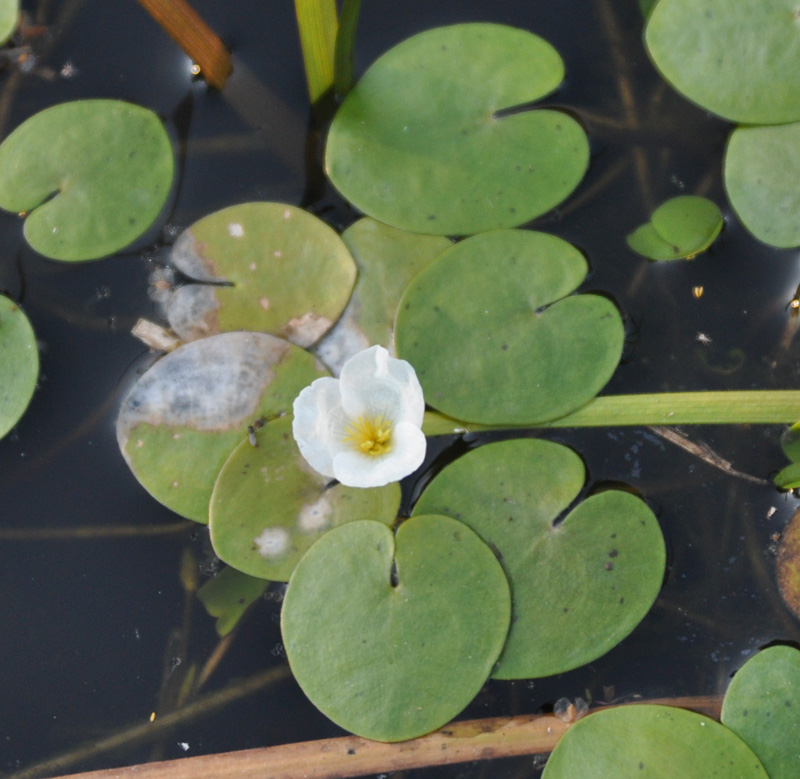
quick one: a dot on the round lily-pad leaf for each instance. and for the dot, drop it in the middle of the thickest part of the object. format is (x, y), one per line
(647, 741)
(739, 60)
(787, 565)
(269, 506)
(762, 166)
(391, 637)
(579, 584)
(424, 140)
(94, 175)
(762, 706)
(387, 260)
(273, 268)
(19, 364)
(790, 442)
(678, 229)
(495, 336)
(182, 419)
(9, 17)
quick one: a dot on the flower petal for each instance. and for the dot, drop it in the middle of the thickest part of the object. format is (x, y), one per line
(357, 469)
(373, 384)
(320, 424)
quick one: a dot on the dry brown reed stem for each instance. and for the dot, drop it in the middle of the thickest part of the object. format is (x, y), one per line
(194, 36)
(333, 758)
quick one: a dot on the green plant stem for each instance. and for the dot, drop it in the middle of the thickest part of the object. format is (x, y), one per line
(345, 47)
(734, 407)
(318, 23)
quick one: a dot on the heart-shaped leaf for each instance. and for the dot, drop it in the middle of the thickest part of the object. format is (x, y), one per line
(762, 706)
(94, 174)
(269, 506)
(392, 656)
(651, 742)
(679, 228)
(762, 166)
(495, 336)
(285, 272)
(19, 364)
(422, 141)
(387, 260)
(739, 60)
(183, 417)
(578, 586)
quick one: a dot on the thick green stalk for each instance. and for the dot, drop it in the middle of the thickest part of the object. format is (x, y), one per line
(318, 24)
(735, 407)
(345, 46)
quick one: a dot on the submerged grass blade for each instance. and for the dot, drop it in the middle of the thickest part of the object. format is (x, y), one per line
(318, 23)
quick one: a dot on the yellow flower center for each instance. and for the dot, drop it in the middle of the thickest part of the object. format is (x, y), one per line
(371, 436)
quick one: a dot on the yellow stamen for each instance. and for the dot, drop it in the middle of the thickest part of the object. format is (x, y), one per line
(371, 436)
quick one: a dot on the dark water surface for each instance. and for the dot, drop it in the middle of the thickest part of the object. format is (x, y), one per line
(89, 624)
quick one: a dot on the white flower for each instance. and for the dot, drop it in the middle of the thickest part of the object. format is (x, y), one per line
(363, 428)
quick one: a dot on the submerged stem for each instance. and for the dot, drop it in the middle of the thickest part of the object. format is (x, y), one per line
(458, 742)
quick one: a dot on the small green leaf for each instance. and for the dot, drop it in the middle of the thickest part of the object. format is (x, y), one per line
(269, 506)
(762, 168)
(762, 706)
(387, 260)
(183, 417)
(738, 60)
(651, 742)
(19, 364)
(228, 595)
(422, 142)
(286, 273)
(680, 228)
(391, 659)
(578, 587)
(495, 336)
(94, 174)
(788, 478)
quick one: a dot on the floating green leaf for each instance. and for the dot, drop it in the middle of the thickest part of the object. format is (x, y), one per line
(228, 595)
(646, 742)
(19, 364)
(680, 228)
(762, 168)
(393, 659)
(387, 260)
(739, 60)
(269, 506)
(94, 174)
(9, 18)
(496, 338)
(578, 586)
(285, 272)
(183, 417)
(425, 141)
(762, 706)
(789, 477)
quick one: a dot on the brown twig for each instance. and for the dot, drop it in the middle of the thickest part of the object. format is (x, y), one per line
(332, 758)
(194, 36)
